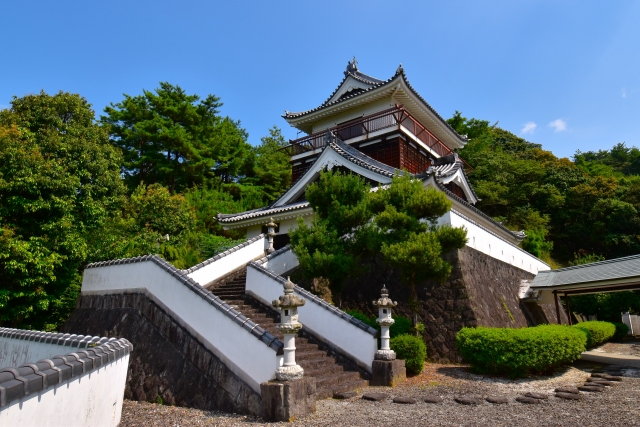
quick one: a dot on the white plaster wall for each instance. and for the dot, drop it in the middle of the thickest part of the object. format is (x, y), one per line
(282, 263)
(483, 241)
(17, 352)
(332, 328)
(241, 352)
(354, 113)
(227, 264)
(94, 398)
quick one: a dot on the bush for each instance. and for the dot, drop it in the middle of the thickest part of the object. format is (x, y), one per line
(518, 352)
(412, 350)
(621, 331)
(597, 332)
(401, 326)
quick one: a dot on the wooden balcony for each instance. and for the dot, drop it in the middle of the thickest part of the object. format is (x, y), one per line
(394, 118)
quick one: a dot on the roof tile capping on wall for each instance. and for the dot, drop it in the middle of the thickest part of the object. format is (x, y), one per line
(29, 378)
(263, 335)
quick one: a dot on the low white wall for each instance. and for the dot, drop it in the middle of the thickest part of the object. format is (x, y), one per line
(17, 352)
(488, 243)
(245, 355)
(282, 262)
(328, 323)
(93, 398)
(229, 262)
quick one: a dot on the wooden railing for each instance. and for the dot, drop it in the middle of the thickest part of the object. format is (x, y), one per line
(391, 118)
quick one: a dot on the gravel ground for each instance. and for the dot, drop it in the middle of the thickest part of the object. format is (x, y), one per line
(619, 405)
(627, 347)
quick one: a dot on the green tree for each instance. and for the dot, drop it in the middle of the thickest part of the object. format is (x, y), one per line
(352, 222)
(272, 169)
(176, 139)
(59, 179)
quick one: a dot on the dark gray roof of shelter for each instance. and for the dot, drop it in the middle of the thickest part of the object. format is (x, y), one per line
(224, 218)
(619, 268)
(247, 324)
(54, 338)
(15, 383)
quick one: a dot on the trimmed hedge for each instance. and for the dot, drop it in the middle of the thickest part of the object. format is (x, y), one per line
(518, 352)
(597, 332)
(621, 331)
(412, 350)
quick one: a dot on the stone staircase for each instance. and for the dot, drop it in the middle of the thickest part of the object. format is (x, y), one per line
(331, 376)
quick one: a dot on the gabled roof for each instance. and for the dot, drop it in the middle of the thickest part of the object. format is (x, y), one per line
(287, 204)
(370, 85)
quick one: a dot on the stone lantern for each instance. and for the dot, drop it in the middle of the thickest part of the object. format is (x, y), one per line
(386, 369)
(271, 232)
(385, 304)
(289, 326)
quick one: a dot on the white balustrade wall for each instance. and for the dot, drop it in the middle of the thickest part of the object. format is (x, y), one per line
(488, 243)
(228, 261)
(322, 319)
(244, 354)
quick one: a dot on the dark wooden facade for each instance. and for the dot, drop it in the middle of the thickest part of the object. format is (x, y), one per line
(395, 151)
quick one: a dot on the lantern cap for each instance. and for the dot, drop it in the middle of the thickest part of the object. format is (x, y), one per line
(384, 300)
(289, 299)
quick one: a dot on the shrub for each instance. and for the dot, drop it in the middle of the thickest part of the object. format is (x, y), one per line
(518, 352)
(621, 331)
(412, 350)
(401, 326)
(369, 320)
(597, 332)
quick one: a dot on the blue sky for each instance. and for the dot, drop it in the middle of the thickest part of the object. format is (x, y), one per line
(565, 74)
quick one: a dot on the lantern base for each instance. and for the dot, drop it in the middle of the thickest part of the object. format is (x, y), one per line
(385, 355)
(388, 373)
(288, 400)
(289, 373)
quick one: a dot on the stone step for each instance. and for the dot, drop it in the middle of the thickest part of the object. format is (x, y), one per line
(324, 371)
(326, 393)
(337, 379)
(316, 363)
(310, 355)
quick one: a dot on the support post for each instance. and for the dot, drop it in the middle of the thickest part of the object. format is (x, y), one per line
(555, 297)
(566, 301)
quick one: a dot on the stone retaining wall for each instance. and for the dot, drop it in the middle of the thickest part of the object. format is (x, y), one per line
(169, 363)
(481, 291)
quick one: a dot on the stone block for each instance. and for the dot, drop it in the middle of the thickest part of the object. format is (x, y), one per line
(288, 400)
(388, 373)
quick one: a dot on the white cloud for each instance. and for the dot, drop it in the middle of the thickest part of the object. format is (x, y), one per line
(559, 125)
(529, 127)
(624, 93)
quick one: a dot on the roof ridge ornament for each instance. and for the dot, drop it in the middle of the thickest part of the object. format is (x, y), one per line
(400, 70)
(352, 66)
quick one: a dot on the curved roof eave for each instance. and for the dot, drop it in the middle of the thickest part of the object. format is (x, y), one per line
(295, 119)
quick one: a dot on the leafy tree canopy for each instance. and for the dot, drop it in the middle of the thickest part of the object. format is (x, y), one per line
(352, 222)
(59, 179)
(176, 139)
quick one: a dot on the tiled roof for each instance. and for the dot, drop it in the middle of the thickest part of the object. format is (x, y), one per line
(442, 167)
(255, 329)
(374, 85)
(620, 268)
(15, 383)
(359, 158)
(225, 218)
